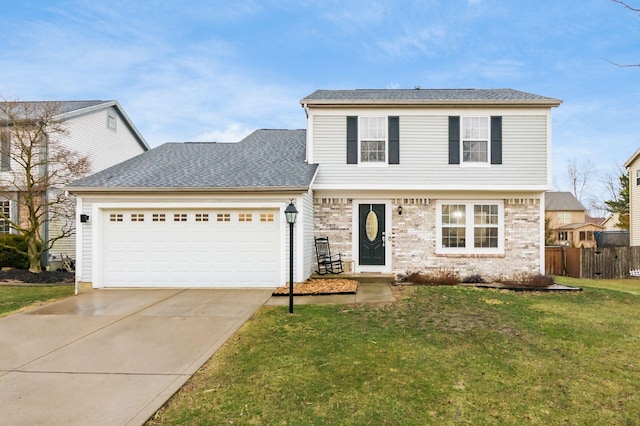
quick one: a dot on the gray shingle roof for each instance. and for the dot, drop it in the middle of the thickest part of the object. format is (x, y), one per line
(264, 159)
(562, 201)
(63, 107)
(427, 96)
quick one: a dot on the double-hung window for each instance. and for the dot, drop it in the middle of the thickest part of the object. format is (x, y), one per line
(373, 139)
(5, 205)
(475, 140)
(470, 227)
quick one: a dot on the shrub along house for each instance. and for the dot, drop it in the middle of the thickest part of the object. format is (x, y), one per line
(399, 180)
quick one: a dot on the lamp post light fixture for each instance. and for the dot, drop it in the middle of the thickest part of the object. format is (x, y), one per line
(290, 213)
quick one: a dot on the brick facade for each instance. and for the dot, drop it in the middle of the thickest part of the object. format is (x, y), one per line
(414, 235)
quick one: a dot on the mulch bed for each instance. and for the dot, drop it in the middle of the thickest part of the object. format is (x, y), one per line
(23, 276)
(319, 287)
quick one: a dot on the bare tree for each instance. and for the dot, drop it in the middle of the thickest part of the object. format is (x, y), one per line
(34, 166)
(633, 9)
(579, 175)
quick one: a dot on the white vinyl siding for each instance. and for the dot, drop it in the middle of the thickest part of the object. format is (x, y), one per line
(634, 203)
(309, 246)
(424, 153)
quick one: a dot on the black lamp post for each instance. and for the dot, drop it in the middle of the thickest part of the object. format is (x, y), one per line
(290, 213)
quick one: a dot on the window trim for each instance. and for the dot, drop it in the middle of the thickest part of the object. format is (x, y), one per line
(112, 120)
(470, 227)
(5, 227)
(385, 120)
(485, 163)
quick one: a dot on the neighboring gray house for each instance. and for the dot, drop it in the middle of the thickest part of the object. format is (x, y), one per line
(399, 180)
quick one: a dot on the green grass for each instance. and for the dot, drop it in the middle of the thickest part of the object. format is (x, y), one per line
(14, 298)
(439, 355)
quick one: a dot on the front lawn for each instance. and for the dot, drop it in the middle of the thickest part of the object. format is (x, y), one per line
(439, 355)
(14, 298)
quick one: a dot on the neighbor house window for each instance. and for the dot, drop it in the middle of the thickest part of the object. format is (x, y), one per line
(637, 177)
(5, 151)
(564, 217)
(5, 205)
(112, 121)
(470, 227)
(373, 139)
(475, 139)
(563, 236)
(586, 235)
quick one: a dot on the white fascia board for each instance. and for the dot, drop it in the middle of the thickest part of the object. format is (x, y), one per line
(467, 188)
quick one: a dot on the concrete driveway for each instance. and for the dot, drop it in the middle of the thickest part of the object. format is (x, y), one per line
(112, 357)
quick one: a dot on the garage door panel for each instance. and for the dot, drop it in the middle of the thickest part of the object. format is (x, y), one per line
(204, 253)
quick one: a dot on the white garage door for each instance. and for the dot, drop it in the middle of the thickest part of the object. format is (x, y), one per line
(191, 248)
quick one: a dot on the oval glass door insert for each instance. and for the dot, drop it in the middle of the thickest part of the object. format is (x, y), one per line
(371, 226)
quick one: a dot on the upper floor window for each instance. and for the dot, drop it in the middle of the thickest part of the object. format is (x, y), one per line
(475, 139)
(637, 177)
(373, 139)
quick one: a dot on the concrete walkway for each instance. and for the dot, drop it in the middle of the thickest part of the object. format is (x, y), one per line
(112, 357)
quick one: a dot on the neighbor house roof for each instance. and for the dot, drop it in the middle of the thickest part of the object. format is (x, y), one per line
(632, 158)
(264, 160)
(420, 96)
(562, 201)
(70, 109)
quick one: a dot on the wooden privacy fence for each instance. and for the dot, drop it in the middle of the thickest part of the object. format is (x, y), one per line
(605, 263)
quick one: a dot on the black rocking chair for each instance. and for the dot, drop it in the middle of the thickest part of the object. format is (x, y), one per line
(326, 262)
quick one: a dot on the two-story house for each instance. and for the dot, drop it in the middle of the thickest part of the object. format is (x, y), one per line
(568, 220)
(397, 179)
(100, 130)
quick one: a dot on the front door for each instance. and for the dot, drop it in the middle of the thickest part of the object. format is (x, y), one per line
(371, 234)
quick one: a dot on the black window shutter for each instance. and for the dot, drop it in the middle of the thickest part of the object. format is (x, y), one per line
(352, 140)
(394, 140)
(496, 140)
(454, 140)
(5, 146)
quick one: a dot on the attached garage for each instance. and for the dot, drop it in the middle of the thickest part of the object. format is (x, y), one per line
(190, 247)
(198, 215)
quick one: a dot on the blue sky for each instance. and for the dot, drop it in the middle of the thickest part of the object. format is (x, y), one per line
(216, 70)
